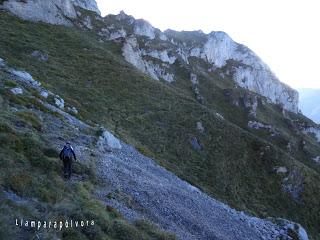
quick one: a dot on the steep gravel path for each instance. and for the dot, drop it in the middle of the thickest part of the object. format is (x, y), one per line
(158, 195)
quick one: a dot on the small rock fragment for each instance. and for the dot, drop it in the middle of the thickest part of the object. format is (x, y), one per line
(59, 102)
(16, 90)
(108, 142)
(200, 127)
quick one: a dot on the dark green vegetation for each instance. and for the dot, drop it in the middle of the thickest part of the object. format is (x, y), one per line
(235, 165)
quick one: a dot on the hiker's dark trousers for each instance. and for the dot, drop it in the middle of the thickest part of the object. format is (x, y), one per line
(67, 162)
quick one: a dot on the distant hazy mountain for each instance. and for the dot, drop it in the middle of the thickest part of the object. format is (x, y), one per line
(310, 103)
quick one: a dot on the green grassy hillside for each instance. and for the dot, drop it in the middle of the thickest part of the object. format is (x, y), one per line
(32, 185)
(234, 165)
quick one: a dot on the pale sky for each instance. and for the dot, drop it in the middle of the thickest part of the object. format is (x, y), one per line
(284, 33)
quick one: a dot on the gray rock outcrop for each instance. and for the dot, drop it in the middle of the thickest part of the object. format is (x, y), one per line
(316, 159)
(252, 74)
(108, 142)
(58, 12)
(297, 229)
(217, 49)
(134, 55)
(258, 125)
(199, 127)
(314, 131)
(40, 56)
(143, 28)
(26, 77)
(50, 11)
(87, 4)
(2, 62)
(16, 90)
(59, 102)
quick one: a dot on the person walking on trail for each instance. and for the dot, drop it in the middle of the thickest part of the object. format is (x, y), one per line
(66, 155)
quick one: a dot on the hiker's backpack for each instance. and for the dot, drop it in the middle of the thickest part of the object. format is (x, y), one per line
(67, 152)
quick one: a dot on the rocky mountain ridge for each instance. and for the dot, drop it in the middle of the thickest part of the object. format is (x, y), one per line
(216, 48)
(90, 5)
(58, 12)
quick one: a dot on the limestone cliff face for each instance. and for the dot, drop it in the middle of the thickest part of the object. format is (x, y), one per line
(57, 12)
(253, 74)
(87, 4)
(134, 55)
(143, 28)
(216, 48)
(53, 12)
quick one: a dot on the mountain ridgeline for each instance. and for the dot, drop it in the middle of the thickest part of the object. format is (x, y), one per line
(206, 109)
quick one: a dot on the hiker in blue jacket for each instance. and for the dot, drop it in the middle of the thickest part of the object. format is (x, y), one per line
(66, 155)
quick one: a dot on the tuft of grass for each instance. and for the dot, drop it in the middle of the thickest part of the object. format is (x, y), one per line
(19, 182)
(153, 230)
(10, 84)
(31, 118)
(113, 212)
